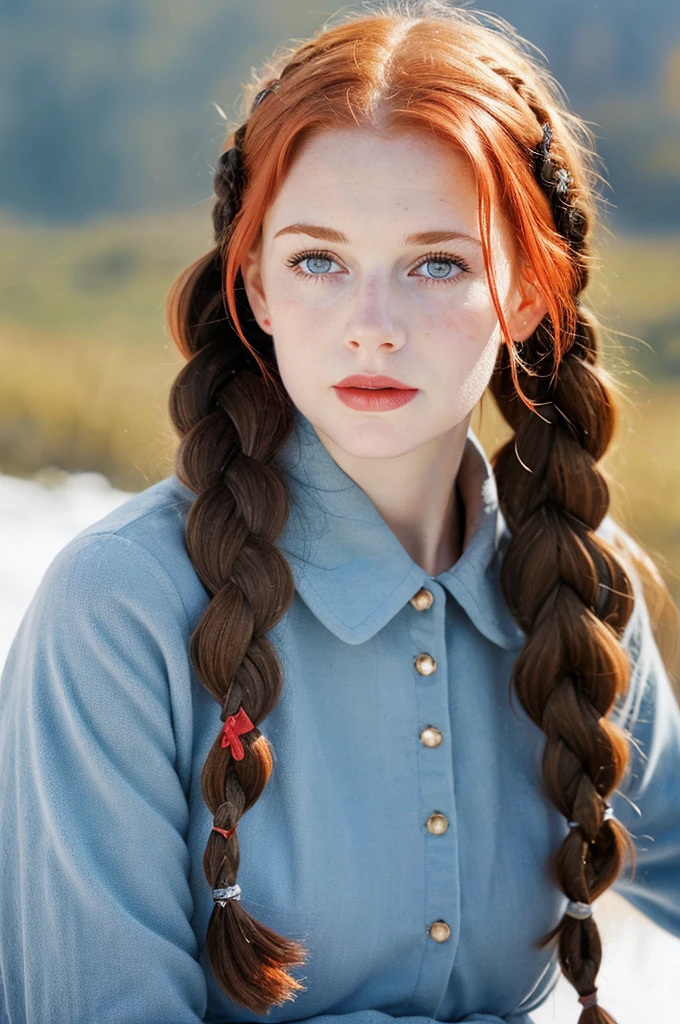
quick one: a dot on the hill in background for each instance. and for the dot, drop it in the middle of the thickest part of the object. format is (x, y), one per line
(110, 107)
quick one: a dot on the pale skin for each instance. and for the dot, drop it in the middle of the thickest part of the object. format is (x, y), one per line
(377, 304)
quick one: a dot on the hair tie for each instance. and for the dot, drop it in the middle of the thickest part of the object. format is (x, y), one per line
(579, 911)
(226, 832)
(608, 815)
(235, 726)
(589, 1000)
(231, 892)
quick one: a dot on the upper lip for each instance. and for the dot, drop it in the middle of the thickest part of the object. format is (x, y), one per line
(375, 380)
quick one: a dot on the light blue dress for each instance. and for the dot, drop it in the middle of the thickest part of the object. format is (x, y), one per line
(368, 832)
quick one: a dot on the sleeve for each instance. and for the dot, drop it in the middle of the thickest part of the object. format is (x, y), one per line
(95, 901)
(648, 801)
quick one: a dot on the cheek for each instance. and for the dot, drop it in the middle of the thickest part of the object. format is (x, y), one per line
(295, 304)
(480, 372)
(464, 343)
(296, 322)
(301, 336)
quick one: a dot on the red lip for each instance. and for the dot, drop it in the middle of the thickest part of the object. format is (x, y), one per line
(373, 393)
(364, 380)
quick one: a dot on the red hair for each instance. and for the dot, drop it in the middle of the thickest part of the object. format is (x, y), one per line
(473, 91)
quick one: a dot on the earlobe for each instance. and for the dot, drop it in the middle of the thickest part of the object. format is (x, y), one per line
(252, 282)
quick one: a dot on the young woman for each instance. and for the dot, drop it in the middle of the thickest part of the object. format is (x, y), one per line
(342, 721)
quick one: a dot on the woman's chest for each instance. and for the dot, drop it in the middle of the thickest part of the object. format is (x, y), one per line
(403, 833)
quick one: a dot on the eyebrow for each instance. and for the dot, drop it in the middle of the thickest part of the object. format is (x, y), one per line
(419, 238)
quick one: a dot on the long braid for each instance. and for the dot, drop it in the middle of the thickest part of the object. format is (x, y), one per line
(567, 588)
(230, 432)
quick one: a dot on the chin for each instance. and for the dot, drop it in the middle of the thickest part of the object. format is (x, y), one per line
(371, 437)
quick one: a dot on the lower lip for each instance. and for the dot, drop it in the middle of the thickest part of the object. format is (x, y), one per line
(375, 399)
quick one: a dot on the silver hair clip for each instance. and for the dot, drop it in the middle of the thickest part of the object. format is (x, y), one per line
(232, 892)
(608, 815)
(544, 146)
(579, 910)
(262, 93)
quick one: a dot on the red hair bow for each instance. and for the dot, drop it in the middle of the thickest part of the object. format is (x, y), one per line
(235, 726)
(226, 832)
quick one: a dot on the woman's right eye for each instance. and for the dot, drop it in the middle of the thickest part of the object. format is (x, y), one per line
(318, 264)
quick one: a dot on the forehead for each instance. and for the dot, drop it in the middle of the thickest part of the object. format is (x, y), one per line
(362, 174)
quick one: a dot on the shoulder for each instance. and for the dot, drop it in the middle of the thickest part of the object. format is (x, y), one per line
(134, 555)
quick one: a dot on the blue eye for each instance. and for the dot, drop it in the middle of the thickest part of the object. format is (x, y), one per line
(442, 267)
(317, 262)
(439, 266)
(313, 264)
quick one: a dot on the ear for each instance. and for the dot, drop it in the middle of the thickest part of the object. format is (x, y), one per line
(527, 309)
(252, 282)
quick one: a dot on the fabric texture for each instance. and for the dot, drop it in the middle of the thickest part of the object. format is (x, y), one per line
(104, 730)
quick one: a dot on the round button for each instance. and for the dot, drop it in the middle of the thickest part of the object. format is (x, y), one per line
(430, 736)
(437, 823)
(425, 664)
(439, 931)
(422, 600)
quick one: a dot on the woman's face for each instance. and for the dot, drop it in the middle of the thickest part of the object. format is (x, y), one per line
(369, 262)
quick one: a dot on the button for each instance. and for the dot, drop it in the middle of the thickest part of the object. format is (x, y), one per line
(425, 664)
(430, 736)
(439, 931)
(437, 823)
(422, 600)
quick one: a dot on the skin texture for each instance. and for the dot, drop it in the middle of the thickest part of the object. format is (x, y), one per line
(376, 305)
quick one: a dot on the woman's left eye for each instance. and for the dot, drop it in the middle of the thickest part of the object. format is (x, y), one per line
(442, 267)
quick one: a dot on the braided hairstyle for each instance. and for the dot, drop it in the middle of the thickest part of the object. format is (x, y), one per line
(569, 591)
(566, 586)
(232, 420)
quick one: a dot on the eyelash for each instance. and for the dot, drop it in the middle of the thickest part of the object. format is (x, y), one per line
(431, 257)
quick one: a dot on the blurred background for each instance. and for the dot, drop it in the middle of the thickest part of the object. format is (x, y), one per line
(112, 118)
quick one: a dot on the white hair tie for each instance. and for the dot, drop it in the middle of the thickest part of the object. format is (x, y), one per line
(608, 815)
(579, 910)
(231, 892)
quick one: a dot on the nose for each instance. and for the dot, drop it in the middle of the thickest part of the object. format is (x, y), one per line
(373, 323)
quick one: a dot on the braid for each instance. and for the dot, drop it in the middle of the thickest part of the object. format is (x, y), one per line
(228, 185)
(230, 432)
(568, 589)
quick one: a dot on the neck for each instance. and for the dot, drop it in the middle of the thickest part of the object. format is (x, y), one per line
(417, 495)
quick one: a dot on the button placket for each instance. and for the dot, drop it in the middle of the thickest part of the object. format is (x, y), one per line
(427, 629)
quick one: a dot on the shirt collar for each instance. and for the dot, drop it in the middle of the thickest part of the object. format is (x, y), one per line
(351, 569)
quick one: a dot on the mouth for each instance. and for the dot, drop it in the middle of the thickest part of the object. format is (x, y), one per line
(376, 396)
